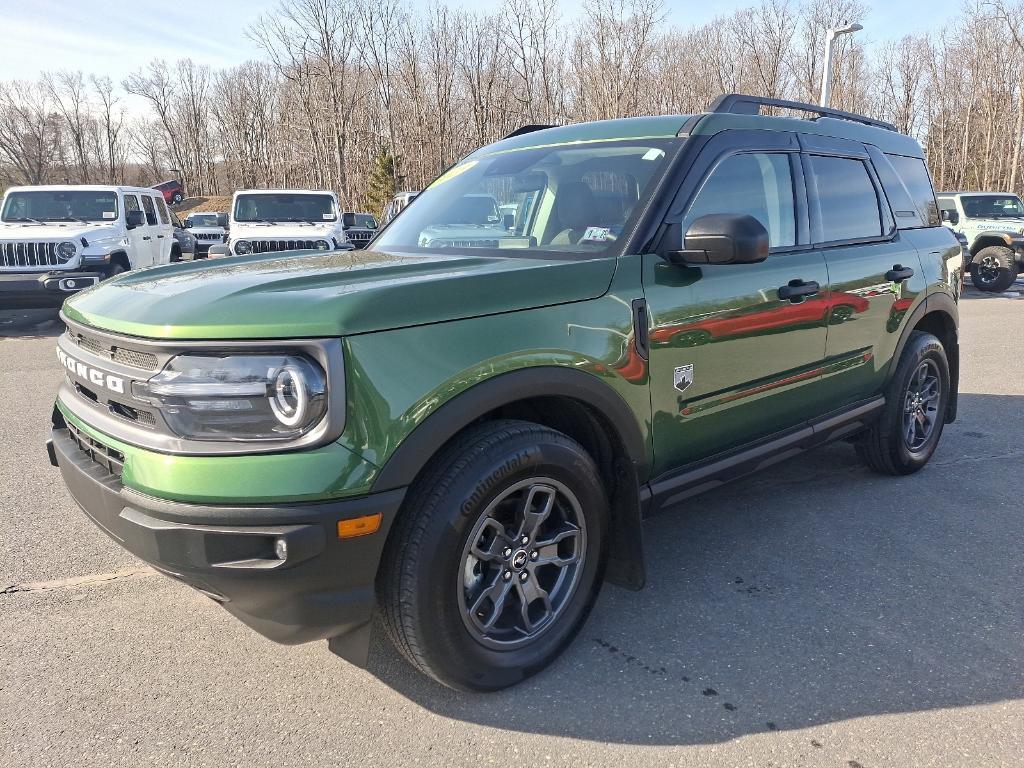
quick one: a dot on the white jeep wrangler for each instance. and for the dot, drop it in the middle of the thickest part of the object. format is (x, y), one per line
(266, 220)
(993, 224)
(56, 240)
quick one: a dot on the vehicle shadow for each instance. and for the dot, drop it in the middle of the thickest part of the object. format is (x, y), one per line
(31, 321)
(1015, 291)
(813, 593)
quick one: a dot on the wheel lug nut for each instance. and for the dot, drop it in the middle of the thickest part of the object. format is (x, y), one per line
(507, 552)
(534, 555)
(506, 575)
(524, 540)
(523, 576)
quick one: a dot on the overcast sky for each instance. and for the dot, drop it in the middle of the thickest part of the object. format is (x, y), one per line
(115, 37)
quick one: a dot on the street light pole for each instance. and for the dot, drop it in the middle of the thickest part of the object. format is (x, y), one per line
(830, 40)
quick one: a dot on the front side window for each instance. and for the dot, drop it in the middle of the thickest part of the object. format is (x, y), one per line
(273, 208)
(847, 198)
(580, 199)
(756, 184)
(992, 206)
(58, 205)
(131, 203)
(147, 206)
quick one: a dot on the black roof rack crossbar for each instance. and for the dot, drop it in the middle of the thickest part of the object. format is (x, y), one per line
(742, 104)
(528, 129)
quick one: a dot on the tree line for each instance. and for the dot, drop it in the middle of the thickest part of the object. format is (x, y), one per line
(342, 92)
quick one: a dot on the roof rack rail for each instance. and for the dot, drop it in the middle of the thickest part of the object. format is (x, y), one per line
(528, 129)
(743, 104)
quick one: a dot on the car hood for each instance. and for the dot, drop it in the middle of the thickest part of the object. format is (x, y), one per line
(334, 293)
(281, 231)
(48, 231)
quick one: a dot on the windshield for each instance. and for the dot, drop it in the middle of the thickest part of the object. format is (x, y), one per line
(363, 220)
(201, 220)
(992, 206)
(54, 205)
(276, 208)
(569, 198)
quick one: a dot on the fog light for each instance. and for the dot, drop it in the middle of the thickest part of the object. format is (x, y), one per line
(281, 549)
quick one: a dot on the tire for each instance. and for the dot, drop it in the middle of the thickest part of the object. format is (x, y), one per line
(902, 440)
(175, 255)
(114, 270)
(436, 594)
(994, 269)
(176, 198)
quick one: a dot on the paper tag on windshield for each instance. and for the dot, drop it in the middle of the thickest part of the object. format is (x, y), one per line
(596, 234)
(110, 214)
(328, 216)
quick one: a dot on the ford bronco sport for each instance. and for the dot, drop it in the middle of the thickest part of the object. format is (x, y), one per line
(465, 436)
(993, 225)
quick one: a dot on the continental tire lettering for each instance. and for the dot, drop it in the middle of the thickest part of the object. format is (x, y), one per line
(485, 488)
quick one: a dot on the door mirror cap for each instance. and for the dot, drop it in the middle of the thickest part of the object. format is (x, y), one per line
(133, 219)
(222, 220)
(719, 238)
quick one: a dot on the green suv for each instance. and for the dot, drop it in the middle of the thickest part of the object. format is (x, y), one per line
(462, 428)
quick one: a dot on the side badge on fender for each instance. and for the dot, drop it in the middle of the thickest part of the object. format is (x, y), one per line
(682, 377)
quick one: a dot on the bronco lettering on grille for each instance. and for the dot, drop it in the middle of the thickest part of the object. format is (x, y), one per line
(90, 374)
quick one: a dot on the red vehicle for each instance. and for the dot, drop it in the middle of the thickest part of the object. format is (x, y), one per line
(172, 191)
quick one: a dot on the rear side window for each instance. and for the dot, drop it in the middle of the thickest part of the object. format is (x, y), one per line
(161, 208)
(847, 198)
(147, 206)
(914, 174)
(757, 184)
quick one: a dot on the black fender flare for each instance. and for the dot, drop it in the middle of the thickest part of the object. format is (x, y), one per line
(463, 409)
(935, 303)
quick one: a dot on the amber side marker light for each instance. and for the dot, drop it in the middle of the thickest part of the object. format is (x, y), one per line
(359, 526)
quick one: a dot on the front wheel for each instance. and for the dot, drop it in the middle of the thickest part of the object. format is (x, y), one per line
(994, 269)
(497, 558)
(905, 436)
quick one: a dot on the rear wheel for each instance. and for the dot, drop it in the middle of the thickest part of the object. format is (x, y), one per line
(176, 198)
(994, 269)
(905, 436)
(497, 559)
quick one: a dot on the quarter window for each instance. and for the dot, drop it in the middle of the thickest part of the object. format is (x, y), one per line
(914, 174)
(848, 199)
(147, 206)
(756, 184)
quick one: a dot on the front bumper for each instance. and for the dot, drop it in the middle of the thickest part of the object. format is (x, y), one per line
(55, 283)
(324, 588)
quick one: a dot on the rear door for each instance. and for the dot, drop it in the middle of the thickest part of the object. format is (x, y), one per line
(874, 271)
(731, 362)
(152, 235)
(165, 231)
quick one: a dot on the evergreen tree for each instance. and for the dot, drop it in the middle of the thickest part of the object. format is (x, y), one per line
(381, 184)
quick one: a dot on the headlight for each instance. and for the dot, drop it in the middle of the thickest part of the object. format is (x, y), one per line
(243, 247)
(65, 251)
(322, 245)
(251, 397)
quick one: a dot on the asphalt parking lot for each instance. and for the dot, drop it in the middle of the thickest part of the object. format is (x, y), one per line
(817, 615)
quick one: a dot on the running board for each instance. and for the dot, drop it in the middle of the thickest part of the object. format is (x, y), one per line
(668, 490)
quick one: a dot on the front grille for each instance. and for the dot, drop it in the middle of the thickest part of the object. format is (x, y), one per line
(360, 237)
(210, 236)
(106, 457)
(29, 255)
(269, 246)
(145, 361)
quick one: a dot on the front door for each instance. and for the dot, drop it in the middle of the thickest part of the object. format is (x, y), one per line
(140, 252)
(731, 361)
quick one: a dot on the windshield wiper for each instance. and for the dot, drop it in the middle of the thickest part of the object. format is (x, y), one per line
(72, 218)
(25, 219)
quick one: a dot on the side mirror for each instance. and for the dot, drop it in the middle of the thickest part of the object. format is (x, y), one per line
(719, 238)
(509, 221)
(222, 220)
(951, 216)
(133, 219)
(218, 252)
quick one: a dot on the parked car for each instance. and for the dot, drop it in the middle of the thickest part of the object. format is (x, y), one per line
(397, 204)
(993, 224)
(359, 227)
(60, 239)
(466, 437)
(185, 245)
(172, 191)
(268, 220)
(208, 228)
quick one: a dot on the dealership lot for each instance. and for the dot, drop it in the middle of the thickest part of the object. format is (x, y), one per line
(813, 615)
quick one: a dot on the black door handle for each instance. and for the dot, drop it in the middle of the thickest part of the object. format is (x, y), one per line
(796, 290)
(159, 237)
(146, 237)
(899, 273)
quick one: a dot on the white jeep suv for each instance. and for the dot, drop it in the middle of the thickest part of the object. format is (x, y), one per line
(56, 240)
(267, 220)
